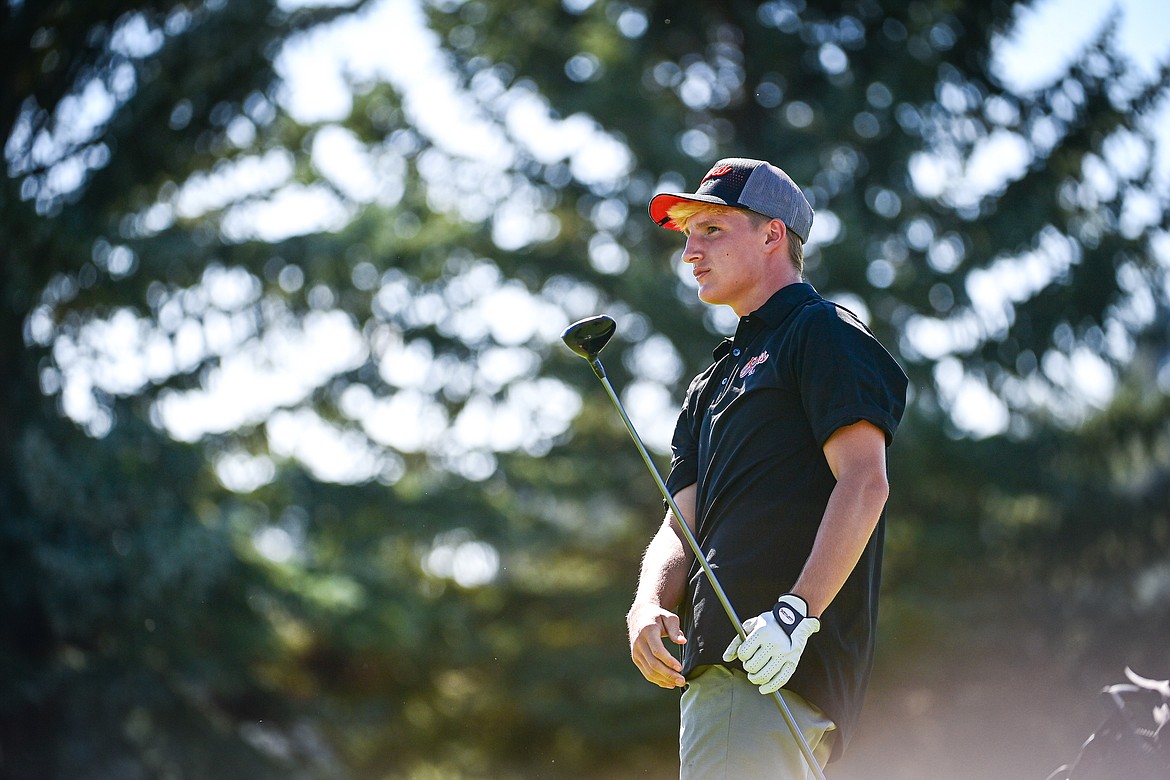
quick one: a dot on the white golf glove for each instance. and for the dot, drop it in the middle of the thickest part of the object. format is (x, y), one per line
(774, 643)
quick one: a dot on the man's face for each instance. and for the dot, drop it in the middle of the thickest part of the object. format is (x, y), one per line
(726, 251)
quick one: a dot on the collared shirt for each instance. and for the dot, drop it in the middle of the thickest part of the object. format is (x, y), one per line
(750, 437)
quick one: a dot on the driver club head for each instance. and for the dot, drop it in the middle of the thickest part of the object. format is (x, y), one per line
(589, 336)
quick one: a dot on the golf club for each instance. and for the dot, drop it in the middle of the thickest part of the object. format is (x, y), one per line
(587, 338)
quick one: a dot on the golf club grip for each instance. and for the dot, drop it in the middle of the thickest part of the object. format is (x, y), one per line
(801, 742)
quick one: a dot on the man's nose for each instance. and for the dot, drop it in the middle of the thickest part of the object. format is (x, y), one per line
(690, 250)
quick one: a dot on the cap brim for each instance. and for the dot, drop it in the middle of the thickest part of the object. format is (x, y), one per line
(661, 203)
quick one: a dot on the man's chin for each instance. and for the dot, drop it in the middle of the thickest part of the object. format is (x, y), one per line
(708, 296)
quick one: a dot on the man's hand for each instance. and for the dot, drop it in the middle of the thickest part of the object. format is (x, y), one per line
(774, 643)
(647, 624)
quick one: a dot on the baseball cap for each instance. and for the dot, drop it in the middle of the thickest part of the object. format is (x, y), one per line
(748, 184)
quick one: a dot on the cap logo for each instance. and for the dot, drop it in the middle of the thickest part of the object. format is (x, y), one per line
(715, 173)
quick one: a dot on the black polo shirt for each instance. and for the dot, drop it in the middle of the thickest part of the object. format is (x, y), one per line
(750, 438)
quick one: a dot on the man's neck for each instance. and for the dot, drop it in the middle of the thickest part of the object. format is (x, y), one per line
(766, 292)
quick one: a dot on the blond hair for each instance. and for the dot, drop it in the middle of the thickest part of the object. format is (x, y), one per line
(684, 211)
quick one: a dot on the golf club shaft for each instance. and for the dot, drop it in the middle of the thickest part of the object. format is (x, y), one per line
(599, 370)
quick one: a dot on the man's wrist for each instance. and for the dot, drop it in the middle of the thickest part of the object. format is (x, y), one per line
(795, 601)
(641, 605)
(790, 611)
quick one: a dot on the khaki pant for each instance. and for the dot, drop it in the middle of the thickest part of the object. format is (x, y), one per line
(730, 731)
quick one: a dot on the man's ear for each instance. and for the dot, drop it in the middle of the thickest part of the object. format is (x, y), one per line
(776, 235)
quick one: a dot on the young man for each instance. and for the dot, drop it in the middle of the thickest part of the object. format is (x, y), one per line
(779, 468)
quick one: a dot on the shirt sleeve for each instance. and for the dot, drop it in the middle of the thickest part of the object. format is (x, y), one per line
(845, 375)
(684, 446)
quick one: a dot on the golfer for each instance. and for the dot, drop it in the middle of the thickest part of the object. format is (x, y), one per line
(779, 468)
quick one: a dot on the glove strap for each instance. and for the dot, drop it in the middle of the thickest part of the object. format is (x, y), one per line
(789, 613)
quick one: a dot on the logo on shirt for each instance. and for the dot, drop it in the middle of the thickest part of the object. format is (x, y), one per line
(753, 364)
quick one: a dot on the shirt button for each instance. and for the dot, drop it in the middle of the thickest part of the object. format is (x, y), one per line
(724, 381)
(735, 352)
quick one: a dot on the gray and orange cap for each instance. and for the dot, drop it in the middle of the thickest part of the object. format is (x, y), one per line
(746, 184)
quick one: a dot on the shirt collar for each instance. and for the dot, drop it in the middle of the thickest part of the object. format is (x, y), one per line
(773, 312)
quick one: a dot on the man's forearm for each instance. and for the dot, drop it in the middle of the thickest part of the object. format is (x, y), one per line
(856, 456)
(663, 579)
(661, 588)
(848, 523)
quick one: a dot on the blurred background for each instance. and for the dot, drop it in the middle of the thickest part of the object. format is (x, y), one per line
(298, 481)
